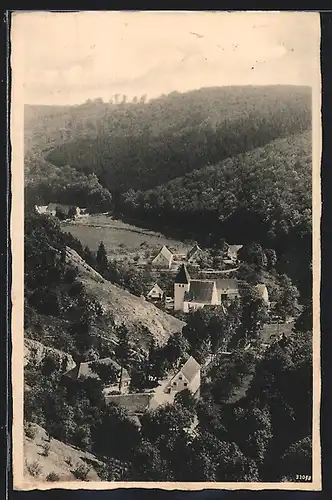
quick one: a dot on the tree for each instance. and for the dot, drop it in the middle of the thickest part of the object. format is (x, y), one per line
(107, 373)
(287, 304)
(72, 212)
(304, 322)
(149, 465)
(254, 313)
(253, 254)
(176, 348)
(186, 399)
(101, 258)
(271, 258)
(117, 436)
(297, 457)
(60, 214)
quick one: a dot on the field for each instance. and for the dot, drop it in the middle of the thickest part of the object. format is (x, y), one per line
(120, 239)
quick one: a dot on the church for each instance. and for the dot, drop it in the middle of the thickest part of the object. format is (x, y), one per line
(192, 294)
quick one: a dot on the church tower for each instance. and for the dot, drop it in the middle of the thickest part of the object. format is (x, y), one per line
(181, 286)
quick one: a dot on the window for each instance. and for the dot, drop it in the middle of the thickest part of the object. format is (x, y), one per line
(174, 383)
(180, 377)
(185, 384)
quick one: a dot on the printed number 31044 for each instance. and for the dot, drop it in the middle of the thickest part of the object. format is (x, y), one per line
(302, 477)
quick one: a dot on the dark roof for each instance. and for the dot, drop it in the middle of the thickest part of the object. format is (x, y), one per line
(193, 250)
(85, 370)
(228, 284)
(59, 206)
(190, 368)
(133, 403)
(183, 275)
(200, 291)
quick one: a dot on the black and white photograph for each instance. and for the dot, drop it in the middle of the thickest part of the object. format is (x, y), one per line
(166, 249)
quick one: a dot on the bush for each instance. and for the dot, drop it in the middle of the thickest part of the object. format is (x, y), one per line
(81, 472)
(52, 476)
(29, 430)
(46, 449)
(34, 468)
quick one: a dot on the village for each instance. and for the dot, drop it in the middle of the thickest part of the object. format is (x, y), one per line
(187, 294)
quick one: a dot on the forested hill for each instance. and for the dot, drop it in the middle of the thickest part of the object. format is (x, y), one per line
(263, 195)
(263, 191)
(143, 144)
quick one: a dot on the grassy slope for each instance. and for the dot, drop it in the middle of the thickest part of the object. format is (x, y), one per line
(115, 234)
(62, 459)
(124, 307)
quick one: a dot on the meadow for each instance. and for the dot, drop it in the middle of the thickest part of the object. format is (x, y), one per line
(120, 238)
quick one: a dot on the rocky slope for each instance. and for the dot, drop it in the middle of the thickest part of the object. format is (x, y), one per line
(35, 352)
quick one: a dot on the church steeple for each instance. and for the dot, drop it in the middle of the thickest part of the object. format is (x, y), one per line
(181, 287)
(183, 276)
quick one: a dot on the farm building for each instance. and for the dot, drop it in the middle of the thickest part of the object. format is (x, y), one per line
(163, 259)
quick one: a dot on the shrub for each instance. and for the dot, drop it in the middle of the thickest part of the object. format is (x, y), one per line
(34, 468)
(52, 476)
(46, 449)
(81, 471)
(29, 430)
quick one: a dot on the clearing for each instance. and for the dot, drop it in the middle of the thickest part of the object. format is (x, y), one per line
(121, 239)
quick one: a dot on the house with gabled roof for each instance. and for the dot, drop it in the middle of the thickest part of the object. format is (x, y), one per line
(192, 294)
(232, 253)
(163, 259)
(194, 253)
(200, 294)
(155, 292)
(85, 370)
(188, 377)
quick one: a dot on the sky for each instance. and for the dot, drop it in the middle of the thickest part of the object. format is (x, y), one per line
(67, 58)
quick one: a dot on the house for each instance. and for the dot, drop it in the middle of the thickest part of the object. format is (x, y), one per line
(194, 253)
(188, 377)
(136, 404)
(263, 293)
(228, 289)
(41, 209)
(155, 293)
(200, 294)
(65, 209)
(231, 256)
(85, 370)
(163, 259)
(193, 294)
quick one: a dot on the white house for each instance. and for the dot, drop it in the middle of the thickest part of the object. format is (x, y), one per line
(193, 294)
(163, 259)
(155, 293)
(188, 377)
(263, 293)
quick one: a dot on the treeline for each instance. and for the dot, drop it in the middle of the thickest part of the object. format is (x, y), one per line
(173, 135)
(261, 196)
(48, 184)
